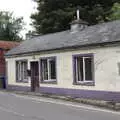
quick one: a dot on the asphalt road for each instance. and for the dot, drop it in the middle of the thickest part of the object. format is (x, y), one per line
(16, 107)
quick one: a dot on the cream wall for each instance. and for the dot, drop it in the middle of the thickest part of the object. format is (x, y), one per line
(106, 69)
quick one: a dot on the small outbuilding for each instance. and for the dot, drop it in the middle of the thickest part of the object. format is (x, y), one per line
(4, 47)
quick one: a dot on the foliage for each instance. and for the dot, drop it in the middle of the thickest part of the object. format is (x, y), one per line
(115, 12)
(56, 15)
(10, 26)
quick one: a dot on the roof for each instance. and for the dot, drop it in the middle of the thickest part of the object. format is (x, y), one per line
(92, 35)
(7, 45)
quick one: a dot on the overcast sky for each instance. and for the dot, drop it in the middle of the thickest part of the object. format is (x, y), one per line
(20, 8)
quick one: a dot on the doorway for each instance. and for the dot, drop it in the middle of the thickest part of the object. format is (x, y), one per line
(34, 76)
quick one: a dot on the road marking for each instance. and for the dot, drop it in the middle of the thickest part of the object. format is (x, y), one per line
(19, 114)
(10, 111)
(87, 108)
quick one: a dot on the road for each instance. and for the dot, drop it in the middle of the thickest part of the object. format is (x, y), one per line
(18, 107)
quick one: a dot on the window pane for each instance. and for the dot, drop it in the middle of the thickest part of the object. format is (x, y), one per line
(52, 69)
(17, 71)
(25, 69)
(88, 69)
(21, 70)
(44, 69)
(79, 71)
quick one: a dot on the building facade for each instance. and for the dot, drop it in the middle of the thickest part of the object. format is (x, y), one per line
(85, 71)
(4, 47)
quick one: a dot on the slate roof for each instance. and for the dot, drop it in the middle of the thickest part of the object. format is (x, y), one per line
(6, 45)
(92, 35)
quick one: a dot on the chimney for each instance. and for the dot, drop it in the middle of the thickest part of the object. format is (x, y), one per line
(28, 35)
(31, 35)
(78, 24)
(78, 14)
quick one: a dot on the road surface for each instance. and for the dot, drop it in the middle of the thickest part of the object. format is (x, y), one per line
(18, 107)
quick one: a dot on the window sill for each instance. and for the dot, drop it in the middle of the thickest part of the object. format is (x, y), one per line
(21, 81)
(84, 83)
(48, 82)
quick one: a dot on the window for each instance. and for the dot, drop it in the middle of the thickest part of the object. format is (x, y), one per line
(83, 69)
(48, 69)
(21, 71)
(118, 68)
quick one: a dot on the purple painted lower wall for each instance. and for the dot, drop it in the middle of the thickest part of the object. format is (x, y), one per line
(90, 94)
(18, 88)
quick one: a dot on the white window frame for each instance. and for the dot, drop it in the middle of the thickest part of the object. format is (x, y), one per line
(20, 75)
(84, 75)
(48, 69)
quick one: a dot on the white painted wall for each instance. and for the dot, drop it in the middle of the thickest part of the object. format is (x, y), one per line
(107, 76)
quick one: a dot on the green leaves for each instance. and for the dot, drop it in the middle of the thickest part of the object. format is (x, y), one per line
(56, 15)
(10, 26)
(115, 12)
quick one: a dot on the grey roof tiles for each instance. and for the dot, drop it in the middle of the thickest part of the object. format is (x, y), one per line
(102, 33)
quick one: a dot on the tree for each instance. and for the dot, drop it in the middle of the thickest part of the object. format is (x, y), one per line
(56, 15)
(10, 27)
(115, 12)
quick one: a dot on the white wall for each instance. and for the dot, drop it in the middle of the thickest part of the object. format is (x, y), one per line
(106, 68)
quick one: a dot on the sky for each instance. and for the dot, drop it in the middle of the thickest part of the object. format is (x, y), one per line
(20, 8)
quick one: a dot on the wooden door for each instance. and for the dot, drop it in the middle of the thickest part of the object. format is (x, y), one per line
(34, 76)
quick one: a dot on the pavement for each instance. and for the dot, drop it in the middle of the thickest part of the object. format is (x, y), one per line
(22, 107)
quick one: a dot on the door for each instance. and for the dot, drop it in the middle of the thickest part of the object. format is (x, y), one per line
(34, 76)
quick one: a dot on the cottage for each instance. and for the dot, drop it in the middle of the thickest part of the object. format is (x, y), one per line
(81, 62)
(4, 47)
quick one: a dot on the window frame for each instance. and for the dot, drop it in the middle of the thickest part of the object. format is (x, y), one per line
(17, 74)
(83, 82)
(53, 81)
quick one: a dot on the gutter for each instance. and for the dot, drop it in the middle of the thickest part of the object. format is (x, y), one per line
(115, 43)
